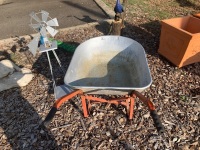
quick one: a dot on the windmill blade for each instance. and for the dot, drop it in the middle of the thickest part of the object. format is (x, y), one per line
(45, 15)
(35, 17)
(35, 26)
(51, 31)
(53, 22)
(33, 45)
(43, 32)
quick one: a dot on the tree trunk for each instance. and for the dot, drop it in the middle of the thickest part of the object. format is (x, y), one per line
(116, 27)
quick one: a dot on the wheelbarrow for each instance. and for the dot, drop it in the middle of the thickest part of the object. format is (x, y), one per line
(107, 65)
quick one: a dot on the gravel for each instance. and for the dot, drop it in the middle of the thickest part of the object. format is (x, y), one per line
(175, 93)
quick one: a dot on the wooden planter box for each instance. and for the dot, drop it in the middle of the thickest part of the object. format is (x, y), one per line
(180, 40)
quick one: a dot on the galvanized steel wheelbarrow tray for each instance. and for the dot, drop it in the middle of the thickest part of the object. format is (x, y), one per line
(111, 65)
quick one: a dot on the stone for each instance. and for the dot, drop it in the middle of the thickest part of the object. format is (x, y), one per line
(12, 76)
(6, 67)
(108, 133)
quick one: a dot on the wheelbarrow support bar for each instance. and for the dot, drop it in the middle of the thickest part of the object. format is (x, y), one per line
(126, 101)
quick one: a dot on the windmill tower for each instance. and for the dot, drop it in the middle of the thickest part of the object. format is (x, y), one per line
(44, 25)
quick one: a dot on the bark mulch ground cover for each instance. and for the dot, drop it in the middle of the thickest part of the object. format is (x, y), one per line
(175, 93)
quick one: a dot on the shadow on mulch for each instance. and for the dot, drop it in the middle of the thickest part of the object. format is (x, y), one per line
(147, 35)
(21, 123)
(195, 92)
(103, 27)
(4, 55)
(187, 3)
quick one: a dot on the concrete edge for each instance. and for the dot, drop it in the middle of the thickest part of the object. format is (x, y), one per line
(9, 41)
(3, 2)
(105, 8)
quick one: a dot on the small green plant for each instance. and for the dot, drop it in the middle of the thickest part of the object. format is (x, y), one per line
(183, 98)
(13, 56)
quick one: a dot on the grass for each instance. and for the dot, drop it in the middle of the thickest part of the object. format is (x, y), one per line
(160, 9)
(150, 9)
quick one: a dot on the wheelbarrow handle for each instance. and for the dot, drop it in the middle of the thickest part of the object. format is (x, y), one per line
(157, 122)
(50, 116)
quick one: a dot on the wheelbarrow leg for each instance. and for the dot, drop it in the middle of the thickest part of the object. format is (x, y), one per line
(128, 106)
(153, 113)
(132, 103)
(84, 106)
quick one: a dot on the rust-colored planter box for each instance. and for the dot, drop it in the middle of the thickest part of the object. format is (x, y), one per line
(180, 40)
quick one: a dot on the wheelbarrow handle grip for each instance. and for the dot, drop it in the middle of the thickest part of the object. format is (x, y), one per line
(157, 122)
(50, 116)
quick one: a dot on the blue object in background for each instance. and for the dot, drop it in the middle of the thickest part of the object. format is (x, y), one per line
(118, 7)
(41, 40)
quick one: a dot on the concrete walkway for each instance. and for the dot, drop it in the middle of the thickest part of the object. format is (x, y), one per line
(15, 20)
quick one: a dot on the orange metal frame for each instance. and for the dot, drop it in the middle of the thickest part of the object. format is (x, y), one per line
(127, 100)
